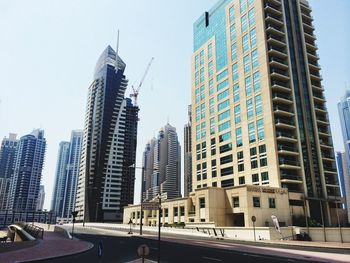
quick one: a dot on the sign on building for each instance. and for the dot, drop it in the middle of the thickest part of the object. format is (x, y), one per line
(150, 206)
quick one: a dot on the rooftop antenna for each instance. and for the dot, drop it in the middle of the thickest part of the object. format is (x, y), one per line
(117, 49)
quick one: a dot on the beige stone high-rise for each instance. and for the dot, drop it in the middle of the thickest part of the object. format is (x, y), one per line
(258, 106)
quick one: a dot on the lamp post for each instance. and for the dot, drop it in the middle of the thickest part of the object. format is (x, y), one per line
(74, 214)
(159, 217)
(142, 186)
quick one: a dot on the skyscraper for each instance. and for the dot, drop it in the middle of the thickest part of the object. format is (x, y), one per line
(26, 178)
(108, 145)
(259, 113)
(344, 116)
(67, 171)
(41, 199)
(162, 165)
(188, 155)
(7, 159)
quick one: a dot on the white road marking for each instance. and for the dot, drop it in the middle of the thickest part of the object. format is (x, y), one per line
(213, 259)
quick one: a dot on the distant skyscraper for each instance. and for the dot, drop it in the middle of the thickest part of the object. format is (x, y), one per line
(26, 178)
(67, 171)
(344, 180)
(258, 105)
(162, 175)
(109, 143)
(344, 116)
(188, 155)
(41, 199)
(7, 159)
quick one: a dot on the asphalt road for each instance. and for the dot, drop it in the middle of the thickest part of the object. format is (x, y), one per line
(122, 248)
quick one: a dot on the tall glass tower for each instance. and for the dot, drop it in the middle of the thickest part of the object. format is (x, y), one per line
(258, 106)
(109, 135)
(27, 174)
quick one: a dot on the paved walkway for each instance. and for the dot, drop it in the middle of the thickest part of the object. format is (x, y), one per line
(53, 245)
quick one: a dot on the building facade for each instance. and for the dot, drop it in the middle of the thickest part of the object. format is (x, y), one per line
(7, 160)
(67, 171)
(258, 106)
(188, 154)
(27, 174)
(162, 165)
(109, 135)
(344, 116)
(41, 199)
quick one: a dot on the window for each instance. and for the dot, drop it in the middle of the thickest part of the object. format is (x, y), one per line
(255, 178)
(264, 176)
(224, 126)
(224, 115)
(246, 63)
(260, 128)
(198, 132)
(197, 62)
(201, 57)
(212, 125)
(262, 149)
(251, 132)
(256, 80)
(210, 69)
(203, 111)
(272, 202)
(243, 6)
(210, 51)
(254, 163)
(245, 43)
(250, 109)
(232, 14)
(258, 105)
(225, 148)
(235, 72)
(225, 137)
(166, 212)
(226, 171)
(197, 78)
(253, 37)
(201, 75)
(182, 210)
(222, 75)
(237, 114)
(244, 23)
(176, 211)
(251, 16)
(222, 85)
(227, 183)
(213, 173)
(256, 201)
(239, 137)
(240, 155)
(255, 61)
(240, 167)
(226, 159)
(202, 202)
(223, 105)
(262, 155)
(235, 201)
(202, 95)
(223, 94)
(241, 180)
(233, 33)
(234, 52)
(211, 87)
(248, 86)
(211, 106)
(235, 93)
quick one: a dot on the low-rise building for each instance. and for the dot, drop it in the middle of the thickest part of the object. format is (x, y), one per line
(219, 207)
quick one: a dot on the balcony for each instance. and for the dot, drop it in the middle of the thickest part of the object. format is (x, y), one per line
(284, 123)
(330, 169)
(307, 18)
(277, 52)
(327, 157)
(317, 88)
(280, 86)
(289, 178)
(312, 57)
(285, 111)
(278, 74)
(315, 76)
(288, 164)
(273, 21)
(323, 132)
(274, 2)
(274, 31)
(278, 63)
(309, 27)
(286, 137)
(287, 150)
(319, 97)
(272, 41)
(271, 9)
(281, 98)
(322, 121)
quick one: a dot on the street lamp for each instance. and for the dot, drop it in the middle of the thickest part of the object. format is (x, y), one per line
(142, 186)
(74, 214)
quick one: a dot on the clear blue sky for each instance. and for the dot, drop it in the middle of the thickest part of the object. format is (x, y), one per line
(48, 51)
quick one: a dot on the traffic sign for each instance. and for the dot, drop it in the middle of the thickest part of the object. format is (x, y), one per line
(253, 218)
(150, 206)
(143, 251)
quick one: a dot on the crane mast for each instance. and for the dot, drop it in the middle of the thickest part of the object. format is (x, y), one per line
(137, 90)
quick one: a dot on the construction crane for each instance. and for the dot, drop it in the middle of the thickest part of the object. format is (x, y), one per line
(137, 90)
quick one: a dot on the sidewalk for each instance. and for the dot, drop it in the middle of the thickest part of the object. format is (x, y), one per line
(52, 246)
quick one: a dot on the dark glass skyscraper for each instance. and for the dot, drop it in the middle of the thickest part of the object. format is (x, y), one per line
(105, 181)
(7, 159)
(25, 181)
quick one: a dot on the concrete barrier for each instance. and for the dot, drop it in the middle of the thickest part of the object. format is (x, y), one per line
(65, 233)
